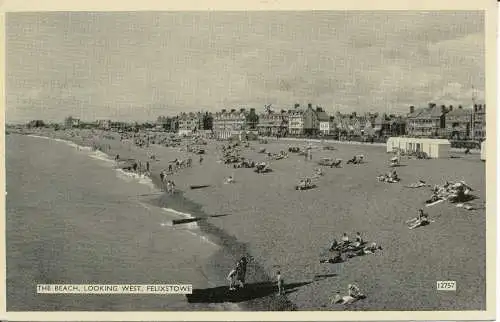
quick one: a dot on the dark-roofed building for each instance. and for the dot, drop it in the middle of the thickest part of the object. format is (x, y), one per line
(426, 122)
(311, 122)
(229, 123)
(272, 123)
(459, 123)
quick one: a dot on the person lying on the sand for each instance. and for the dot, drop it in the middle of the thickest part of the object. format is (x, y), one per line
(348, 299)
(421, 220)
(370, 249)
(354, 291)
(335, 245)
(229, 180)
(393, 175)
(420, 183)
(335, 257)
(435, 197)
(318, 172)
(353, 160)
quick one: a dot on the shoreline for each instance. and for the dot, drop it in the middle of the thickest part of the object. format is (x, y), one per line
(221, 261)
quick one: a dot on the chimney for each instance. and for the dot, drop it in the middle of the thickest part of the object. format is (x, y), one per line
(412, 109)
(297, 105)
(309, 105)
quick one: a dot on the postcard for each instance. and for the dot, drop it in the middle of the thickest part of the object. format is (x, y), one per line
(260, 161)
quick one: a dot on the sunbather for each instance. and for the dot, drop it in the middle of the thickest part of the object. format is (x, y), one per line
(335, 245)
(345, 239)
(359, 241)
(421, 220)
(355, 292)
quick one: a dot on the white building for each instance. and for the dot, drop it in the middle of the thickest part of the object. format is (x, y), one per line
(227, 124)
(189, 123)
(435, 148)
(296, 121)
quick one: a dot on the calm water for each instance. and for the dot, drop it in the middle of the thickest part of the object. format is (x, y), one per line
(72, 218)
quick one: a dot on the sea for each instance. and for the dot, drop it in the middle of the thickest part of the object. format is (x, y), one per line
(74, 218)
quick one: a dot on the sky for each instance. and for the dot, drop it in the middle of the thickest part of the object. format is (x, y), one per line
(141, 65)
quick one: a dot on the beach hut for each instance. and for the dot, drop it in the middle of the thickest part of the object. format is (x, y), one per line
(483, 151)
(435, 148)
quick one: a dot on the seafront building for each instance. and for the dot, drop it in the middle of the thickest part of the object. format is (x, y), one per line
(311, 120)
(479, 122)
(426, 122)
(296, 121)
(229, 123)
(71, 122)
(272, 123)
(103, 124)
(327, 126)
(459, 123)
(189, 123)
(324, 122)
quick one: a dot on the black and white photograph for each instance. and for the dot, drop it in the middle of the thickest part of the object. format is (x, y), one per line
(313, 160)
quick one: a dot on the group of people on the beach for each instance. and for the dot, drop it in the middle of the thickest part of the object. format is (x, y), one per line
(358, 247)
(166, 184)
(237, 276)
(138, 167)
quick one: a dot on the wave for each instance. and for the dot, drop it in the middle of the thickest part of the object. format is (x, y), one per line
(190, 227)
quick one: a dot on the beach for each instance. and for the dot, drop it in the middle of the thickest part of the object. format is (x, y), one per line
(280, 228)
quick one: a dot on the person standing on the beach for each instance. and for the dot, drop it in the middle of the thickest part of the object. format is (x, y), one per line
(231, 278)
(147, 166)
(242, 271)
(162, 179)
(280, 282)
(134, 167)
(201, 159)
